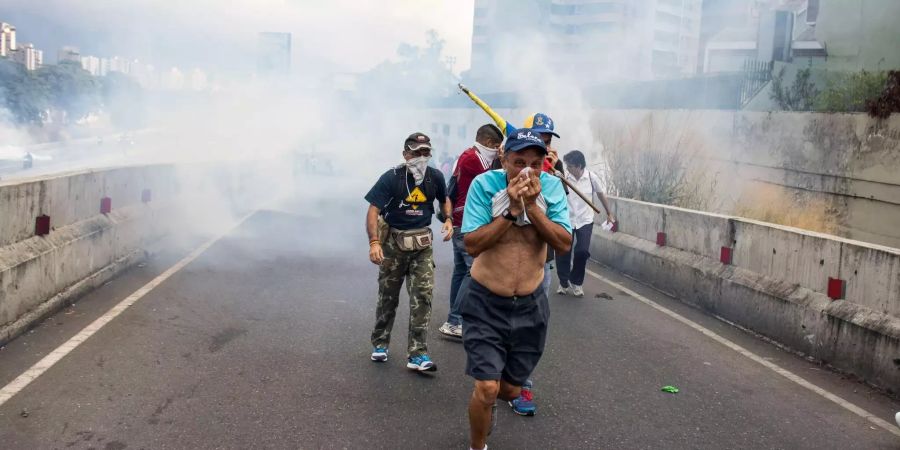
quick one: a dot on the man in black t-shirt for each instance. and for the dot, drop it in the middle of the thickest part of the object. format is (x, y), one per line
(404, 198)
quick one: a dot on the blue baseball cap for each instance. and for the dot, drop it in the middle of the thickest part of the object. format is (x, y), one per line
(524, 138)
(540, 123)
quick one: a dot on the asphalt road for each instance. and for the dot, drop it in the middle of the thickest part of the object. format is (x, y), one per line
(262, 342)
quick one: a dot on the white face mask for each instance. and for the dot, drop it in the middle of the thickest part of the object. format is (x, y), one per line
(487, 153)
(418, 166)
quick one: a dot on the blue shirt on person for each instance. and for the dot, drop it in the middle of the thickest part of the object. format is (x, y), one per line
(479, 208)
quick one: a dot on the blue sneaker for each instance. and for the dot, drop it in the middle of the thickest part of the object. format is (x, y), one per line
(524, 405)
(422, 363)
(379, 354)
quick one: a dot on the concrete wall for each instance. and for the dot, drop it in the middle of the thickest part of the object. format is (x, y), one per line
(835, 173)
(776, 284)
(39, 274)
(68, 199)
(860, 34)
(848, 164)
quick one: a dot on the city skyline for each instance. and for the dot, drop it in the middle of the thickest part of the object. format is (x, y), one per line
(588, 40)
(172, 34)
(147, 74)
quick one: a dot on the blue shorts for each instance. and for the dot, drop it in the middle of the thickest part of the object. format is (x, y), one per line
(503, 336)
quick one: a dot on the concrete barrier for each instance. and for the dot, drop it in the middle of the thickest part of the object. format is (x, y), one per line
(71, 198)
(101, 222)
(787, 254)
(833, 299)
(41, 274)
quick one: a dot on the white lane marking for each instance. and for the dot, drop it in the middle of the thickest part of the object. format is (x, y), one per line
(753, 356)
(60, 352)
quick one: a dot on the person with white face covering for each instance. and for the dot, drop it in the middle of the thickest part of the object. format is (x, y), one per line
(401, 205)
(473, 162)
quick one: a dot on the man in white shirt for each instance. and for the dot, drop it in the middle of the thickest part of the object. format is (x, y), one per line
(570, 266)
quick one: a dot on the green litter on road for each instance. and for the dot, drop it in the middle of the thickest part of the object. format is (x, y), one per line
(670, 389)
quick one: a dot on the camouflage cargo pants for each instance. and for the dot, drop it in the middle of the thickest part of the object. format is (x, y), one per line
(417, 268)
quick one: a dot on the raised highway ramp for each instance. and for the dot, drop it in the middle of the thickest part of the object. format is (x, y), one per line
(257, 337)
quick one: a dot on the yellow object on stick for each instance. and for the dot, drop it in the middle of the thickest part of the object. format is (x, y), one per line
(504, 126)
(507, 129)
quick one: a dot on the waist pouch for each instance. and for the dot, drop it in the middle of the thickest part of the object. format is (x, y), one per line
(383, 229)
(412, 240)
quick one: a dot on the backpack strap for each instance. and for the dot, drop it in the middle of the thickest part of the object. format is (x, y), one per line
(429, 183)
(401, 186)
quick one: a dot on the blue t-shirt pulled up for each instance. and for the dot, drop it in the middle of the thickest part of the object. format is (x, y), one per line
(479, 206)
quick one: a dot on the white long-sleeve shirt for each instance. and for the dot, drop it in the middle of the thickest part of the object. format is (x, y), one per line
(580, 213)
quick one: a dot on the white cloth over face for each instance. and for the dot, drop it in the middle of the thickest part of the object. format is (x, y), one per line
(418, 166)
(500, 203)
(487, 155)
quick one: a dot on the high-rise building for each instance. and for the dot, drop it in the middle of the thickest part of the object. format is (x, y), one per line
(589, 41)
(718, 15)
(68, 54)
(104, 66)
(145, 74)
(741, 31)
(172, 79)
(91, 64)
(675, 38)
(121, 65)
(274, 54)
(28, 56)
(493, 34)
(7, 39)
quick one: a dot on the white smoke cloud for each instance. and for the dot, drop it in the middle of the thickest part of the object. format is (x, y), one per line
(342, 35)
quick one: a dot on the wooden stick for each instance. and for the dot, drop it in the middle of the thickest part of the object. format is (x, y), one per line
(499, 120)
(575, 190)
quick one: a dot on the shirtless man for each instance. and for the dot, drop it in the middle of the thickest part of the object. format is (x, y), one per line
(510, 217)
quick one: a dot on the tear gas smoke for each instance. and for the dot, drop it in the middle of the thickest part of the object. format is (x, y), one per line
(331, 147)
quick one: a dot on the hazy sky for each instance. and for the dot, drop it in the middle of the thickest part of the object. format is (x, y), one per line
(342, 35)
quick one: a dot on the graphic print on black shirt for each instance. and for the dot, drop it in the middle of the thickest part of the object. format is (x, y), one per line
(404, 205)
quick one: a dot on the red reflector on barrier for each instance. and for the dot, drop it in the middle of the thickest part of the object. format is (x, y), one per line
(146, 196)
(661, 239)
(42, 225)
(105, 205)
(725, 255)
(835, 288)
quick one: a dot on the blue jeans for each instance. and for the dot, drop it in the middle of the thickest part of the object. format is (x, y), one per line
(548, 269)
(462, 263)
(571, 266)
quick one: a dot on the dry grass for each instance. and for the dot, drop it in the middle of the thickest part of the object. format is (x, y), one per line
(775, 204)
(667, 161)
(648, 162)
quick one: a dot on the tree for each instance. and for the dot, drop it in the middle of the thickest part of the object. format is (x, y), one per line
(72, 89)
(801, 96)
(668, 169)
(26, 98)
(889, 100)
(850, 91)
(419, 75)
(123, 99)
(68, 91)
